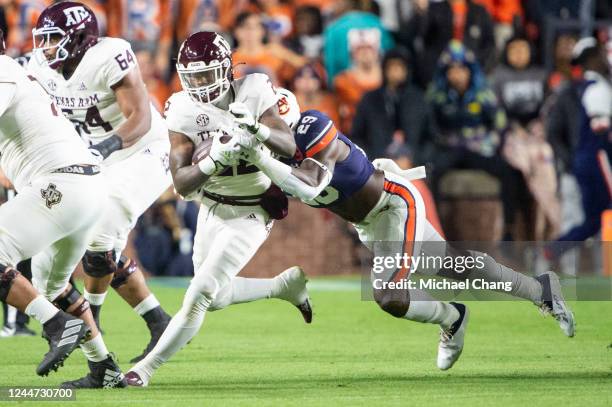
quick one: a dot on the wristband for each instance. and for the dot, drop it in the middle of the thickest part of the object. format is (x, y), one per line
(263, 133)
(207, 166)
(108, 146)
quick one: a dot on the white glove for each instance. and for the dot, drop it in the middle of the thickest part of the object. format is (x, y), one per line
(244, 118)
(244, 138)
(253, 155)
(224, 153)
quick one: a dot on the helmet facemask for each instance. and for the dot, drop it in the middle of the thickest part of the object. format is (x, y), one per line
(45, 41)
(205, 83)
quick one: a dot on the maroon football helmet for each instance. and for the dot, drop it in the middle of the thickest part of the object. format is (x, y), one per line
(205, 66)
(64, 31)
(2, 44)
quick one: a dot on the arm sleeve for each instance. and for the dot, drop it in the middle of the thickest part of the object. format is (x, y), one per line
(282, 175)
(7, 94)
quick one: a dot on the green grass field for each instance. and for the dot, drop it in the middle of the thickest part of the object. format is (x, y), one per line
(353, 354)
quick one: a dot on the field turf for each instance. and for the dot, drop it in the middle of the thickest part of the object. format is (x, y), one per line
(353, 354)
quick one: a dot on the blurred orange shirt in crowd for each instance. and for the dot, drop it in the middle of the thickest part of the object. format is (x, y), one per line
(140, 20)
(264, 62)
(459, 16)
(502, 11)
(21, 18)
(159, 92)
(195, 15)
(349, 90)
(326, 103)
(323, 5)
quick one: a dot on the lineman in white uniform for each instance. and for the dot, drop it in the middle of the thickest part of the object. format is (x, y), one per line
(232, 222)
(61, 196)
(97, 85)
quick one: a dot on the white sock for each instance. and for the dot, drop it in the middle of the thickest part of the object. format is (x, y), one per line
(94, 299)
(182, 328)
(426, 309)
(41, 309)
(242, 289)
(95, 349)
(146, 305)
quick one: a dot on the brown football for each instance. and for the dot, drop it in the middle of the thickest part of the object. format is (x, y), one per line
(202, 150)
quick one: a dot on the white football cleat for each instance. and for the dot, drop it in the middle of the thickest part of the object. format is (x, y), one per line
(554, 304)
(7, 331)
(451, 339)
(292, 288)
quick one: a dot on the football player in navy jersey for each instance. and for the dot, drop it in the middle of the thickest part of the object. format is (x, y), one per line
(330, 171)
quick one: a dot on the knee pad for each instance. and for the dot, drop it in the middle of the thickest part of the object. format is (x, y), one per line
(7, 276)
(99, 264)
(72, 297)
(393, 301)
(125, 268)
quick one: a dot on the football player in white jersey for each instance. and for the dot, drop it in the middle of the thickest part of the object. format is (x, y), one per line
(97, 85)
(61, 196)
(238, 203)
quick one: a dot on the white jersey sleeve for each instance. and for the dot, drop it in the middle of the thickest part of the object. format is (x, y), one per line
(118, 60)
(7, 93)
(597, 102)
(179, 116)
(257, 92)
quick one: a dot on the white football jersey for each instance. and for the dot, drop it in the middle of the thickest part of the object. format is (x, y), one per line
(200, 121)
(35, 138)
(87, 97)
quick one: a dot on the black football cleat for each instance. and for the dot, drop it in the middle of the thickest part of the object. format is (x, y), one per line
(102, 375)
(157, 321)
(306, 311)
(64, 333)
(23, 330)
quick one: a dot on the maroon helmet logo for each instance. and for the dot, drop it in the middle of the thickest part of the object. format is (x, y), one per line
(76, 15)
(64, 30)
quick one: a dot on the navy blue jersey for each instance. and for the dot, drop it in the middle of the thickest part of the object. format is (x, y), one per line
(314, 132)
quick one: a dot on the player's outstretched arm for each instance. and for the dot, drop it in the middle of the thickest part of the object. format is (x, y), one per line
(305, 182)
(187, 177)
(270, 129)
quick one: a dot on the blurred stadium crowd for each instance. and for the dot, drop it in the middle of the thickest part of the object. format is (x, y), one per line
(483, 85)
